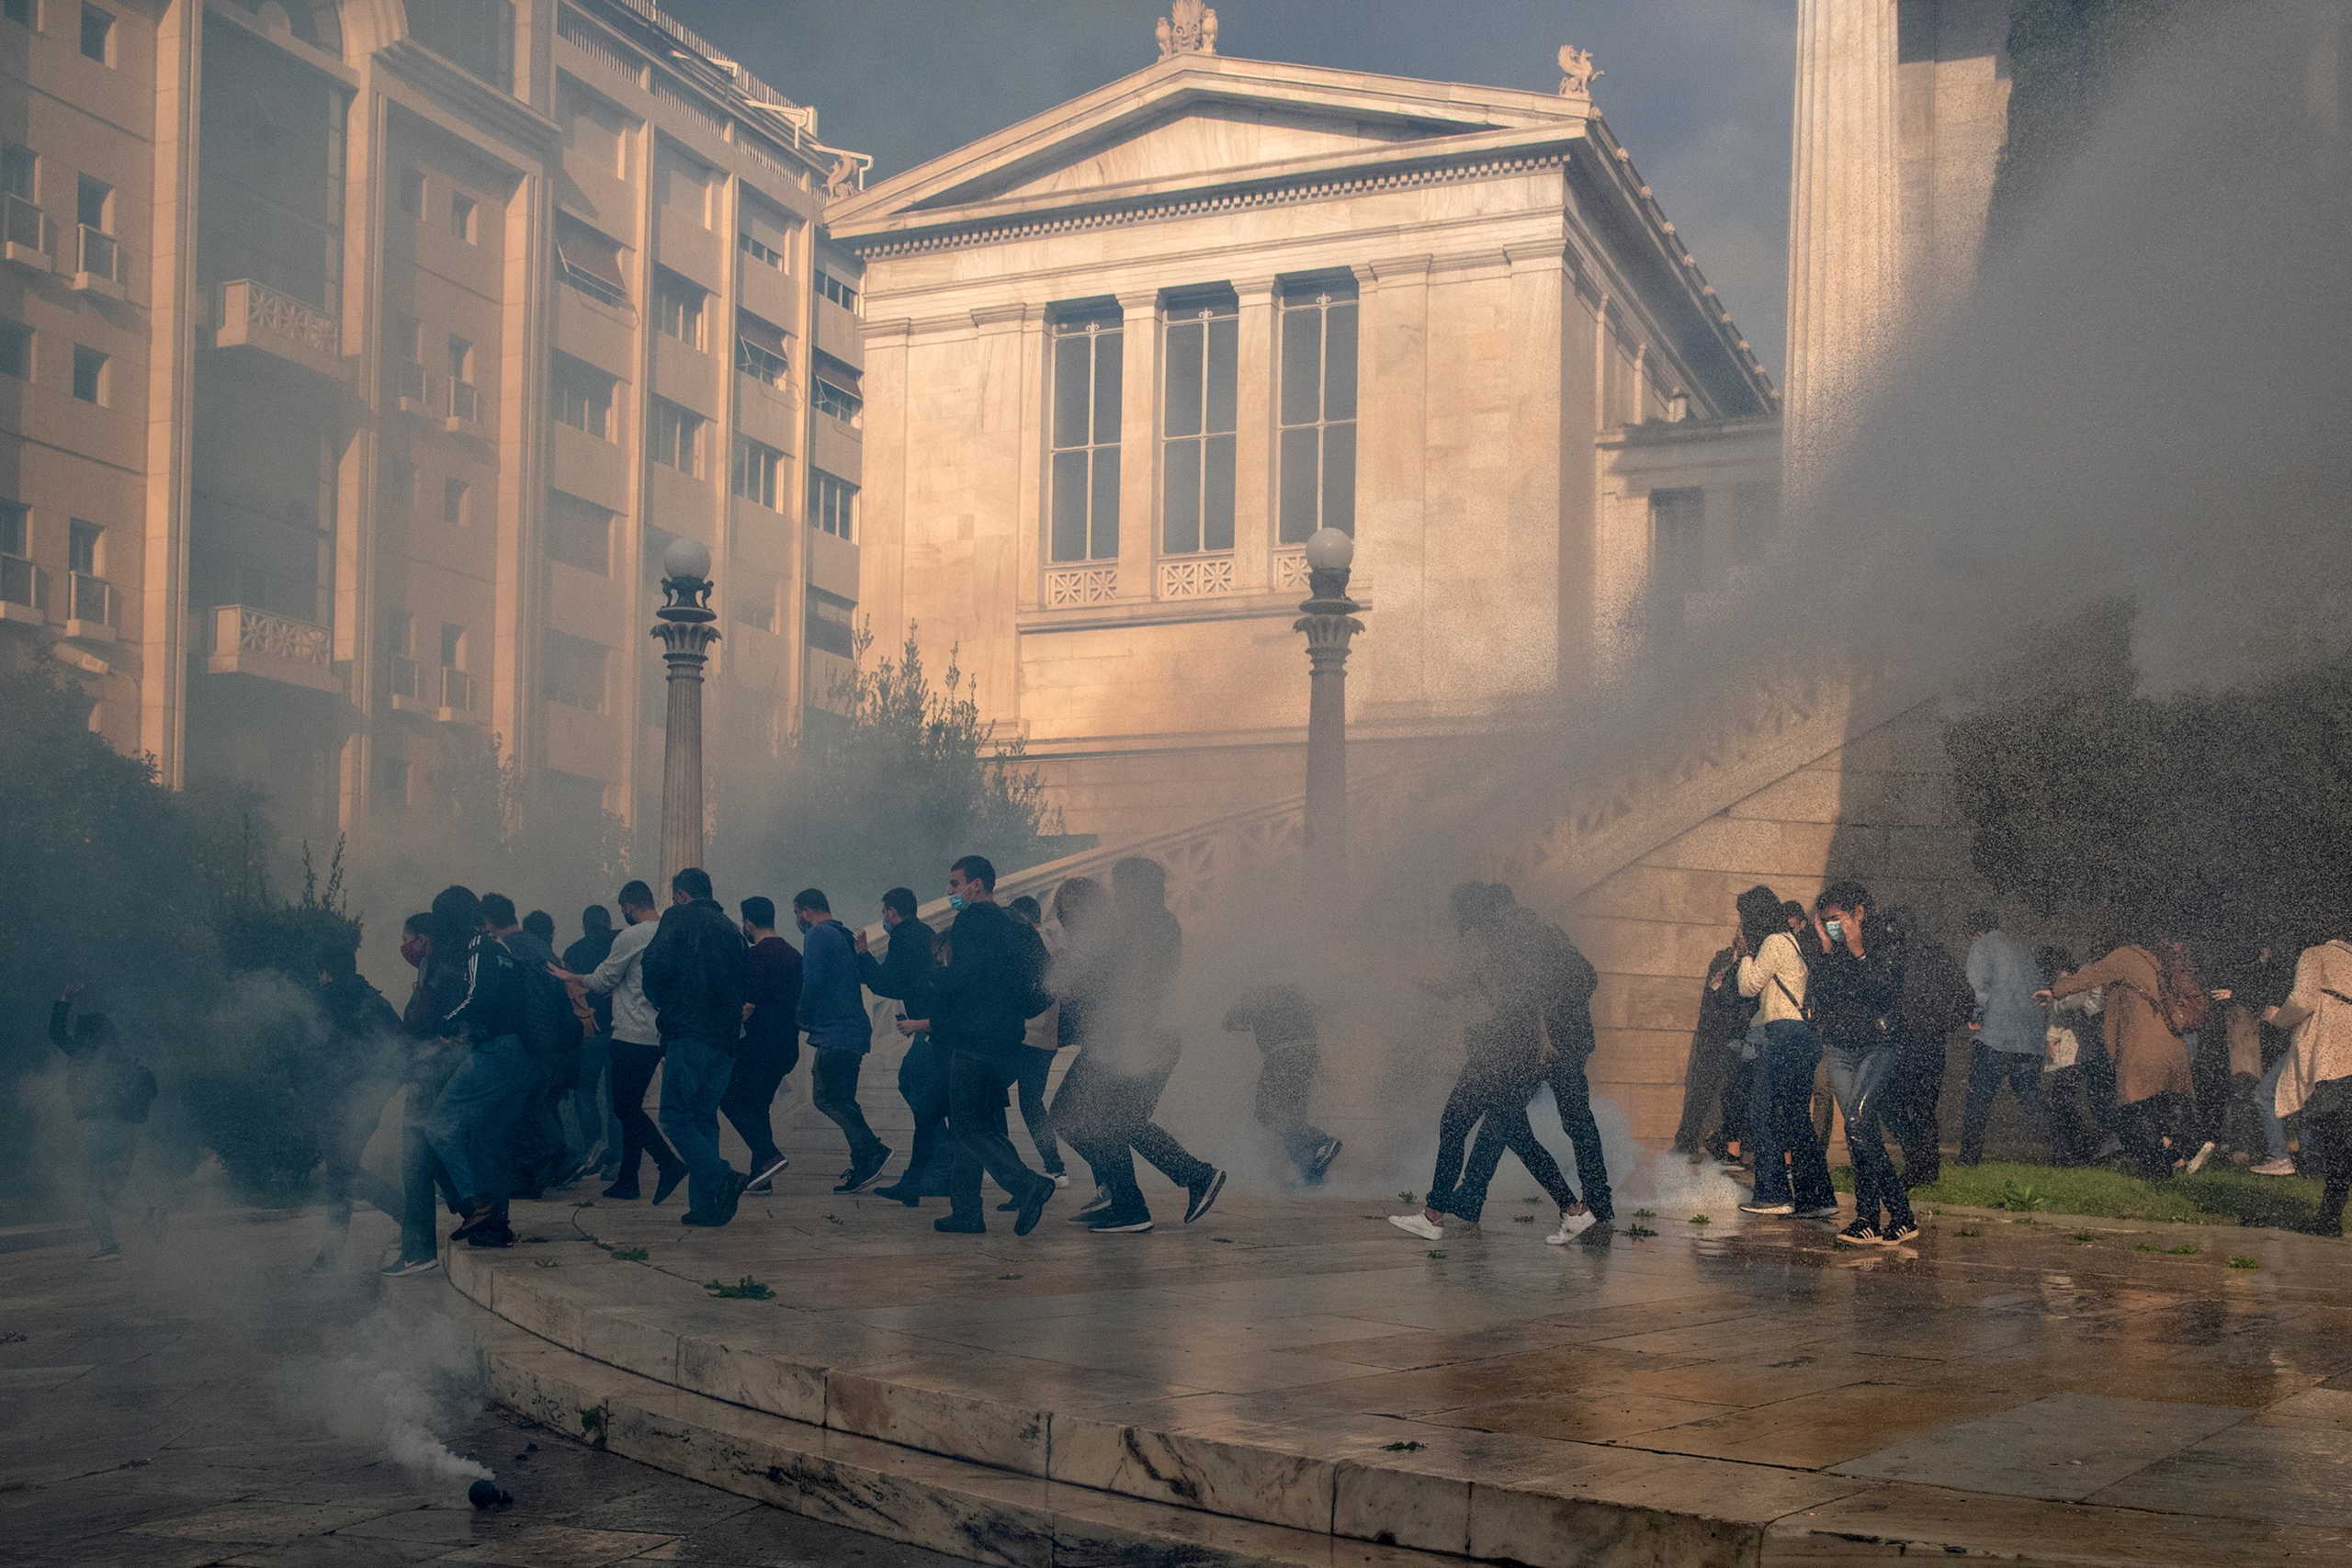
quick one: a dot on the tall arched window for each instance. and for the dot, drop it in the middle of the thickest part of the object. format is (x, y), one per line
(1200, 341)
(1317, 484)
(1083, 508)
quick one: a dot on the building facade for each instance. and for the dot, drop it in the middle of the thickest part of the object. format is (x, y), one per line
(1128, 353)
(358, 361)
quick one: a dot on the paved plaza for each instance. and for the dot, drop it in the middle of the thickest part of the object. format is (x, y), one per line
(1293, 1381)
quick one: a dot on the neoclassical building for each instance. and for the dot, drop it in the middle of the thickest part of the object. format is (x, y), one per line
(1122, 357)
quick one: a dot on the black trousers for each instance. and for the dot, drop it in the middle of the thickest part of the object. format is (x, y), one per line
(1108, 1118)
(1572, 1095)
(1491, 1096)
(1284, 1084)
(759, 1071)
(632, 1075)
(1986, 1073)
(1705, 1076)
(2140, 1127)
(1036, 1066)
(833, 1085)
(2325, 1127)
(977, 1090)
(1910, 1102)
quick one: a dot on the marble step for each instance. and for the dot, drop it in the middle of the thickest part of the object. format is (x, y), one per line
(943, 1505)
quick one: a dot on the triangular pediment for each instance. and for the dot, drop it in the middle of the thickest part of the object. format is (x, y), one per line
(1199, 120)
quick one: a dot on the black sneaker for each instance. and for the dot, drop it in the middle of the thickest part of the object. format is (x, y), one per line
(764, 1178)
(666, 1179)
(624, 1191)
(1862, 1233)
(1203, 1197)
(955, 1224)
(733, 1199)
(497, 1234)
(864, 1174)
(1093, 1206)
(1899, 1233)
(903, 1191)
(1033, 1206)
(401, 1268)
(1112, 1221)
(1320, 1161)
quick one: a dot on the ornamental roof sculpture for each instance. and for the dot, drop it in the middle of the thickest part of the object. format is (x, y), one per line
(1578, 72)
(1189, 28)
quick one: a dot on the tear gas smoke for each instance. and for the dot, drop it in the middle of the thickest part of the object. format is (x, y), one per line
(402, 1379)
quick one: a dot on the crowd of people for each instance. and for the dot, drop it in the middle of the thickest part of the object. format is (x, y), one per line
(527, 1071)
(2157, 1056)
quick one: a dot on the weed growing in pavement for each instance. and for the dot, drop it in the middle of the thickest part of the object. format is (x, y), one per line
(2239, 1261)
(1701, 1219)
(1435, 1254)
(1639, 1232)
(2085, 1236)
(2186, 1249)
(1967, 1230)
(1401, 1448)
(1645, 1213)
(745, 1289)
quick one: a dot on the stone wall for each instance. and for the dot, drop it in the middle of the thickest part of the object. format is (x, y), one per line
(1880, 807)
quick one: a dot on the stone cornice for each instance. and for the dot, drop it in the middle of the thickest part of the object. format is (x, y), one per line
(1195, 205)
(480, 104)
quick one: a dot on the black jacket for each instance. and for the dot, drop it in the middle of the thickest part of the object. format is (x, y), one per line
(696, 975)
(493, 1003)
(903, 972)
(550, 1027)
(1858, 1002)
(992, 985)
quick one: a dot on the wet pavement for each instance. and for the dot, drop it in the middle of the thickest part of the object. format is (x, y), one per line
(208, 1401)
(2135, 1392)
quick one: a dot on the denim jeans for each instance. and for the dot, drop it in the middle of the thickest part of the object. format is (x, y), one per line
(978, 1087)
(833, 1087)
(1572, 1098)
(1036, 1066)
(923, 1084)
(2266, 1109)
(694, 1079)
(2021, 1070)
(472, 1124)
(1107, 1117)
(590, 1105)
(1780, 1119)
(1497, 1080)
(1861, 1079)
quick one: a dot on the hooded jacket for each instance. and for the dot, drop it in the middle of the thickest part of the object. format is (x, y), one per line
(832, 1008)
(696, 975)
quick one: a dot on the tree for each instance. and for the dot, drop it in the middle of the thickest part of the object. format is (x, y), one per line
(2220, 814)
(897, 780)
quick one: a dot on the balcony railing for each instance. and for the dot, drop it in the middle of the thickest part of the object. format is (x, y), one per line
(457, 690)
(765, 366)
(255, 316)
(90, 599)
(19, 583)
(595, 287)
(23, 223)
(250, 640)
(100, 255)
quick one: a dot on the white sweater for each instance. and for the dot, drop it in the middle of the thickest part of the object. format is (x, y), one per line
(623, 974)
(1778, 960)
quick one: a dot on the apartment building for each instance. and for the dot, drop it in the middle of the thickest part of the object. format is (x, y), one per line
(359, 362)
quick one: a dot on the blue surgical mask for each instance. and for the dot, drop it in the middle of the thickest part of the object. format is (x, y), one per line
(1836, 929)
(955, 902)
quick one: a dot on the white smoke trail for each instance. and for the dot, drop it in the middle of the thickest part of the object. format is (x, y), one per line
(401, 1383)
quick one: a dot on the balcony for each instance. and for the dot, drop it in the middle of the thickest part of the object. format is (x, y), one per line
(93, 609)
(98, 262)
(259, 320)
(417, 389)
(465, 408)
(24, 232)
(457, 694)
(247, 641)
(446, 693)
(20, 595)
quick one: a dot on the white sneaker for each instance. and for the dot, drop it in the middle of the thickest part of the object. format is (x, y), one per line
(2273, 1167)
(2197, 1161)
(1825, 1212)
(1061, 1178)
(1418, 1224)
(1571, 1227)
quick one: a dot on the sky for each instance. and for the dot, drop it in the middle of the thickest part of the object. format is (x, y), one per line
(1699, 90)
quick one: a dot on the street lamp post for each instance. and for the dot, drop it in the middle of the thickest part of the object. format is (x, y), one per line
(1328, 619)
(684, 624)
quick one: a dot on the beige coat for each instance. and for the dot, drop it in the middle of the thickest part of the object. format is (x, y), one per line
(2322, 1045)
(2150, 1059)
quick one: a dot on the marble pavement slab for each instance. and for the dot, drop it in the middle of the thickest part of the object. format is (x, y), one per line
(2062, 1446)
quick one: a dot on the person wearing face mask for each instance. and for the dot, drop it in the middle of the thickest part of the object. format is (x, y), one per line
(2012, 1034)
(832, 1015)
(1858, 1009)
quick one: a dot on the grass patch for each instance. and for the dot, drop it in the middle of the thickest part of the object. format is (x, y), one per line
(2186, 1249)
(1645, 1213)
(1967, 1230)
(2214, 1197)
(1639, 1232)
(2086, 1237)
(743, 1290)
(2241, 1261)
(1701, 1219)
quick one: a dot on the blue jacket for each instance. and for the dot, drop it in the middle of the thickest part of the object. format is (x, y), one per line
(2002, 972)
(833, 1003)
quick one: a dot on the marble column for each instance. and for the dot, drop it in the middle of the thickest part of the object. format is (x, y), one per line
(1845, 225)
